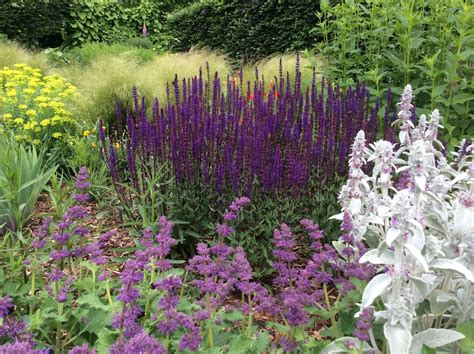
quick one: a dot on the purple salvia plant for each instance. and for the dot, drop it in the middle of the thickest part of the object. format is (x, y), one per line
(227, 141)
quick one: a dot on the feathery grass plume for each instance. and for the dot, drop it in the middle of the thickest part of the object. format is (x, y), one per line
(109, 78)
(12, 53)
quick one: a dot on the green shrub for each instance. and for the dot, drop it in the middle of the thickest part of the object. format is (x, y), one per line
(35, 23)
(248, 30)
(22, 179)
(112, 22)
(89, 52)
(391, 43)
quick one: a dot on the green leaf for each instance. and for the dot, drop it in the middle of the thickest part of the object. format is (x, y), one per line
(240, 344)
(105, 339)
(438, 90)
(466, 328)
(262, 341)
(92, 300)
(462, 98)
(232, 316)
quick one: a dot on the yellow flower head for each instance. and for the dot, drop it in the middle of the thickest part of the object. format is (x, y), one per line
(86, 133)
(45, 122)
(29, 91)
(31, 113)
(22, 106)
(117, 145)
(7, 116)
(57, 135)
(18, 120)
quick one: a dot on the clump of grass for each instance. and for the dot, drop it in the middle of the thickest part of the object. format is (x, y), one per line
(164, 68)
(13, 53)
(269, 69)
(110, 78)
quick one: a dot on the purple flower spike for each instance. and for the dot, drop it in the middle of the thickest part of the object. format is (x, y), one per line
(364, 324)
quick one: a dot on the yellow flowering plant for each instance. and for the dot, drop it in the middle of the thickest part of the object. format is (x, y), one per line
(34, 107)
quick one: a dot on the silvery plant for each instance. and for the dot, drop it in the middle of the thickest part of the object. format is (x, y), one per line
(416, 211)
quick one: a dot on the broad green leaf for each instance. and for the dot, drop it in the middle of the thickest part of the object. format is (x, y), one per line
(91, 300)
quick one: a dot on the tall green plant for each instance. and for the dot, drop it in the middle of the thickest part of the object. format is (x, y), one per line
(388, 43)
(22, 179)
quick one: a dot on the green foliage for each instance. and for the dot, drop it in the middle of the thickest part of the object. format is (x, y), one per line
(112, 22)
(36, 23)
(466, 328)
(89, 52)
(389, 44)
(248, 30)
(22, 179)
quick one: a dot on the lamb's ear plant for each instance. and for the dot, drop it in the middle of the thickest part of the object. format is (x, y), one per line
(419, 209)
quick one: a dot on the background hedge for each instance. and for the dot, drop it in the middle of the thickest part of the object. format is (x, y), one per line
(35, 23)
(245, 29)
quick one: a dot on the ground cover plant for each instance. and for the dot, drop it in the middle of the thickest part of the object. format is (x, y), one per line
(63, 291)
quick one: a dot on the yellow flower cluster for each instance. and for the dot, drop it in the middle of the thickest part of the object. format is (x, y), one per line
(34, 106)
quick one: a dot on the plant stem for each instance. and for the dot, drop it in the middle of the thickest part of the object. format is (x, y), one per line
(250, 319)
(107, 289)
(148, 297)
(331, 315)
(58, 323)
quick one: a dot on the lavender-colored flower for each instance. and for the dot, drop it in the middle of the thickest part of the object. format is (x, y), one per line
(191, 340)
(127, 320)
(131, 275)
(41, 234)
(224, 230)
(55, 274)
(19, 347)
(76, 212)
(82, 179)
(6, 305)
(81, 197)
(14, 328)
(349, 344)
(288, 345)
(364, 324)
(139, 343)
